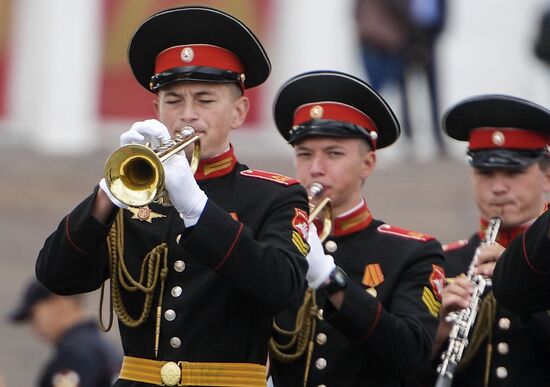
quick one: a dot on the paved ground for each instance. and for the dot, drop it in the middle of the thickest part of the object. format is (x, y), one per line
(36, 191)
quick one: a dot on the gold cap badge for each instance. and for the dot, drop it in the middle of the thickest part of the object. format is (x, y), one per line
(498, 138)
(187, 54)
(316, 112)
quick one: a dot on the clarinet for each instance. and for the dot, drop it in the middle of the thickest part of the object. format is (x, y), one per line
(463, 320)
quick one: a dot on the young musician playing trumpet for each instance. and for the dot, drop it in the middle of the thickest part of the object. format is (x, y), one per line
(200, 281)
(507, 149)
(377, 284)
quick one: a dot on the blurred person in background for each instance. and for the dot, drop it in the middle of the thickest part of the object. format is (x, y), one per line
(82, 357)
(195, 285)
(508, 142)
(397, 38)
(370, 312)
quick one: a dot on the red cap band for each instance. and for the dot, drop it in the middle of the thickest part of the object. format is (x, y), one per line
(333, 111)
(507, 138)
(198, 55)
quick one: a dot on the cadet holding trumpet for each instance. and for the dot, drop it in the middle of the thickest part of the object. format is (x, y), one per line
(195, 285)
(375, 286)
(508, 140)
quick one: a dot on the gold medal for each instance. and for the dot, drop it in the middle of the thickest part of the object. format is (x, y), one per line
(372, 291)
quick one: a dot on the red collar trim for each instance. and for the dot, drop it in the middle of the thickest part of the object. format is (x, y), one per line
(358, 220)
(216, 166)
(507, 138)
(504, 236)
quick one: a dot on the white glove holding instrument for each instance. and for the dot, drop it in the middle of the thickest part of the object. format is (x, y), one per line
(115, 201)
(185, 194)
(143, 132)
(320, 264)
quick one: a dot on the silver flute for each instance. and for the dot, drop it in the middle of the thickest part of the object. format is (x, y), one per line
(464, 319)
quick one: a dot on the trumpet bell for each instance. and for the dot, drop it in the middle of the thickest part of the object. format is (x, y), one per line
(134, 174)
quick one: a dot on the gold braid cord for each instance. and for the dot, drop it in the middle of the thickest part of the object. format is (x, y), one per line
(482, 330)
(302, 337)
(148, 281)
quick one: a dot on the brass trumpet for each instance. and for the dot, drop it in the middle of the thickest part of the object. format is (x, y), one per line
(324, 209)
(134, 173)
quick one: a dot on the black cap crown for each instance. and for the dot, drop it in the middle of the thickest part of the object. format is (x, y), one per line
(34, 293)
(502, 131)
(197, 44)
(333, 104)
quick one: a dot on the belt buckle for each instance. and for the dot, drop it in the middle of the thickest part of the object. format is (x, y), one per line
(170, 374)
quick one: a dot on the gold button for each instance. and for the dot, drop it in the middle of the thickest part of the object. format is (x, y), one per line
(321, 339)
(175, 342)
(178, 239)
(170, 315)
(320, 314)
(501, 372)
(504, 323)
(320, 363)
(176, 291)
(503, 348)
(179, 266)
(331, 246)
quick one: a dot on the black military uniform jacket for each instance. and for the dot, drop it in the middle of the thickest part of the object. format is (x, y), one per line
(522, 276)
(82, 358)
(243, 262)
(520, 346)
(372, 340)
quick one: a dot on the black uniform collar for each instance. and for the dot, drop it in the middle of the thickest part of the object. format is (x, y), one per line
(216, 166)
(355, 221)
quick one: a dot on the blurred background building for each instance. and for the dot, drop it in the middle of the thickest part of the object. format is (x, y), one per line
(66, 94)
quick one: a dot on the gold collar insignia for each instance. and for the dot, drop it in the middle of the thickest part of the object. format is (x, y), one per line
(144, 214)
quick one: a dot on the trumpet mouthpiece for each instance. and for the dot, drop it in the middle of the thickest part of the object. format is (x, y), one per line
(316, 189)
(187, 131)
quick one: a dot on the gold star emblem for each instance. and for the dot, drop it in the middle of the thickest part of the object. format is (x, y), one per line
(187, 54)
(498, 138)
(144, 214)
(316, 112)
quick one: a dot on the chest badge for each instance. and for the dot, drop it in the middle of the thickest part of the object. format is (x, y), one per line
(144, 214)
(372, 277)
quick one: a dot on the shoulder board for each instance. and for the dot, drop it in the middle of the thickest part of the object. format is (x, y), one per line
(455, 245)
(402, 232)
(271, 176)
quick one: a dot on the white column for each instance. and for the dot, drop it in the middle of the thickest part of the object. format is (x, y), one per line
(314, 35)
(55, 74)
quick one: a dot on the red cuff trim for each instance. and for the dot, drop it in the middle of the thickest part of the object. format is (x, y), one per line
(71, 241)
(198, 55)
(374, 324)
(507, 138)
(230, 248)
(333, 111)
(531, 266)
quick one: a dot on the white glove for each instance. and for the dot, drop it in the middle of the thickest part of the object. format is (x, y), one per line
(115, 201)
(148, 131)
(320, 264)
(186, 196)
